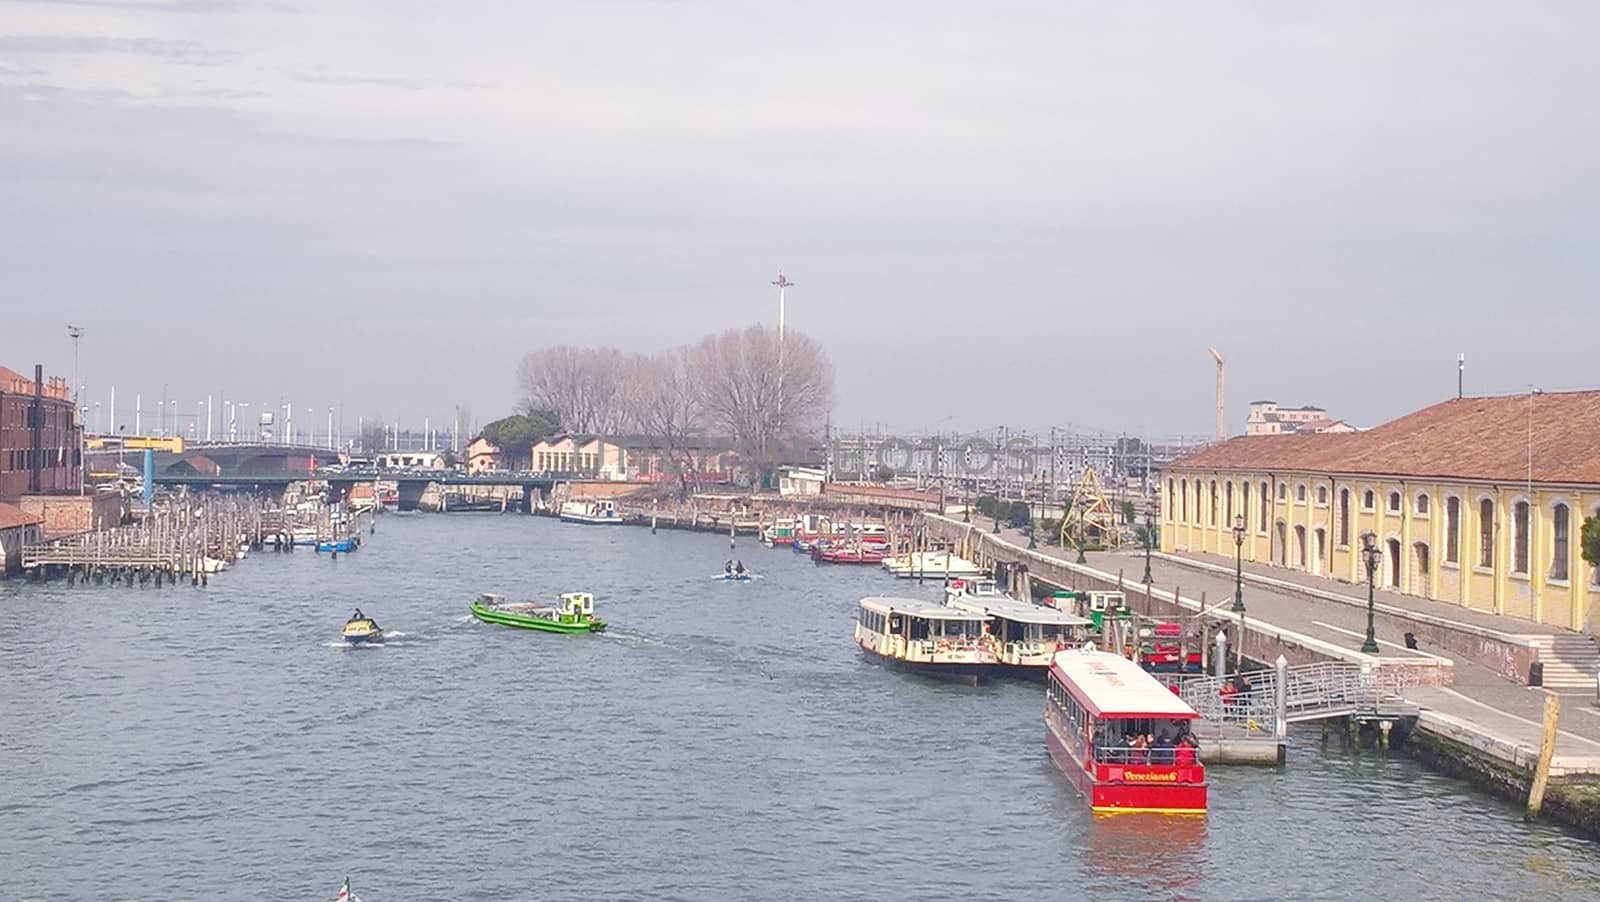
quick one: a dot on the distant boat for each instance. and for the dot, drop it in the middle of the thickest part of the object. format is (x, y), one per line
(344, 893)
(359, 630)
(602, 512)
(932, 564)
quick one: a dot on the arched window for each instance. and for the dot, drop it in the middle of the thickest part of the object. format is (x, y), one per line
(1424, 503)
(1300, 493)
(1519, 537)
(1283, 491)
(1244, 502)
(1367, 500)
(1213, 511)
(1172, 500)
(1322, 495)
(1394, 502)
(1344, 518)
(1228, 490)
(1486, 533)
(1185, 487)
(1265, 507)
(1562, 534)
(1452, 529)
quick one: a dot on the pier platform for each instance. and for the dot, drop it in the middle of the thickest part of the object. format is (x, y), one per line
(1476, 700)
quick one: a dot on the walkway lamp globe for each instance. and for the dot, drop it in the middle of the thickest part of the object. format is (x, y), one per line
(1370, 555)
(1238, 564)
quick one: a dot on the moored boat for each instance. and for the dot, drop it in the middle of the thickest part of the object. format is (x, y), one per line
(1122, 737)
(597, 512)
(924, 637)
(1023, 637)
(779, 532)
(574, 613)
(931, 564)
(343, 545)
(361, 629)
(849, 553)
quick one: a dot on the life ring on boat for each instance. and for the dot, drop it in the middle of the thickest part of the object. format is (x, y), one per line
(943, 645)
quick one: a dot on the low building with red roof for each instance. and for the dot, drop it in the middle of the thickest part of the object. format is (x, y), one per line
(1475, 501)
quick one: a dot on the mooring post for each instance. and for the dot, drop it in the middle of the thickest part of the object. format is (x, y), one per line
(1280, 706)
(1547, 750)
(1219, 657)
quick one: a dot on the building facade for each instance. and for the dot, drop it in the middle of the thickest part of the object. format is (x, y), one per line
(41, 442)
(1478, 502)
(18, 529)
(1267, 418)
(483, 456)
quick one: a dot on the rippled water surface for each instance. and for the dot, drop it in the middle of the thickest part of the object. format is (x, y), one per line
(722, 741)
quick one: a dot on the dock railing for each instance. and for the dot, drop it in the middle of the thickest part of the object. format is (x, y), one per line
(1310, 692)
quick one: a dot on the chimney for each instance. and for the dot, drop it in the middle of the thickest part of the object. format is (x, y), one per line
(36, 429)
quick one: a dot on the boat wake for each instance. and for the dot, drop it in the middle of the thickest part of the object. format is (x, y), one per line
(725, 578)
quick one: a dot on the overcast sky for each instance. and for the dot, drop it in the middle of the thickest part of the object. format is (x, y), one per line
(1025, 213)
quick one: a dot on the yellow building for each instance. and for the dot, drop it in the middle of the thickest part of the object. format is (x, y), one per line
(1476, 501)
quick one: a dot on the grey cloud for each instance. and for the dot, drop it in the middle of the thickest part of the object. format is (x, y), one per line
(315, 77)
(64, 45)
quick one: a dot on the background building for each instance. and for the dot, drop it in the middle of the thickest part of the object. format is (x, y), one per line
(1267, 418)
(1476, 501)
(41, 443)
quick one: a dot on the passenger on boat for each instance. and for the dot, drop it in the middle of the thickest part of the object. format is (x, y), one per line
(738, 568)
(1163, 752)
(1140, 750)
(727, 569)
(357, 615)
(1184, 753)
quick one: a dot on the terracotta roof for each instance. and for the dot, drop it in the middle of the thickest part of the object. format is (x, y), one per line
(12, 516)
(1468, 438)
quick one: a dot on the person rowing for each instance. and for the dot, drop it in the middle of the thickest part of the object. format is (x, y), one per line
(357, 615)
(727, 569)
(738, 568)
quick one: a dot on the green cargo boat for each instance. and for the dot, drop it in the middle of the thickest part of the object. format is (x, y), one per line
(575, 613)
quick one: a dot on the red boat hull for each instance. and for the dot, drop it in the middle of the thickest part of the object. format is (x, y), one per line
(1127, 795)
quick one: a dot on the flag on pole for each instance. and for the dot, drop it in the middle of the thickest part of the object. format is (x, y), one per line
(344, 892)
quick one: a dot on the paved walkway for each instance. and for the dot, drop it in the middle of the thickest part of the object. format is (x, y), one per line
(1507, 715)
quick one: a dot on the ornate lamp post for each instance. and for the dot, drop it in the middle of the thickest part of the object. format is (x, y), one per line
(1083, 528)
(1238, 564)
(1149, 543)
(1370, 555)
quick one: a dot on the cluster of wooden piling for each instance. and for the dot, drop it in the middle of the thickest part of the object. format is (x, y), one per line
(185, 537)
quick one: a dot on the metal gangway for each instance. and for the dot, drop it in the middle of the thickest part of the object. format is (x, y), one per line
(1300, 693)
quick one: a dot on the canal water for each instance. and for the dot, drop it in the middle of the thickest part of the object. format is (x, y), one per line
(722, 741)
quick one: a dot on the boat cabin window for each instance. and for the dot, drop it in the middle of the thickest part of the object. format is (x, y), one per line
(945, 629)
(874, 621)
(1139, 740)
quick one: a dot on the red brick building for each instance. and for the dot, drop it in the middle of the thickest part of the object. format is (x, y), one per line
(41, 440)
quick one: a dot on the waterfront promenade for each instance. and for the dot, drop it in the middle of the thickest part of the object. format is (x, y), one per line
(1481, 707)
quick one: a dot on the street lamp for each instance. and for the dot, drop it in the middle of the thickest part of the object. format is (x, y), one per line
(1370, 555)
(1083, 529)
(1238, 564)
(1149, 543)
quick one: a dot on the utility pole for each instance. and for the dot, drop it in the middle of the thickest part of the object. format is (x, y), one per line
(1461, 375)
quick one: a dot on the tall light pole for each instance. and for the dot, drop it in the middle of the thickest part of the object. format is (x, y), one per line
(74, 333)
(782, 284)
(1369, 556)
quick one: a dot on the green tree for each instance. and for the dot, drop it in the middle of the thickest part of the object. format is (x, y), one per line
(515, 434)
(1019, 514)
(986, 505)
(1127, 512)
(1591, 541)
(882, 473)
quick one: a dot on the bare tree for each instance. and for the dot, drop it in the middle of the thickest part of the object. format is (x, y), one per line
(666, 408)
(582, 385)
(763, 392)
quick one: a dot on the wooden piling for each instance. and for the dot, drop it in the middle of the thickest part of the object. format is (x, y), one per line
(1547, 750)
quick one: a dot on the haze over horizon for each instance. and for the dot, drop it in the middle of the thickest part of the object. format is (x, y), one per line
(383, 206)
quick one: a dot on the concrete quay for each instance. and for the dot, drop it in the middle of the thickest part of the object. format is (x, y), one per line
(1477, 719)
